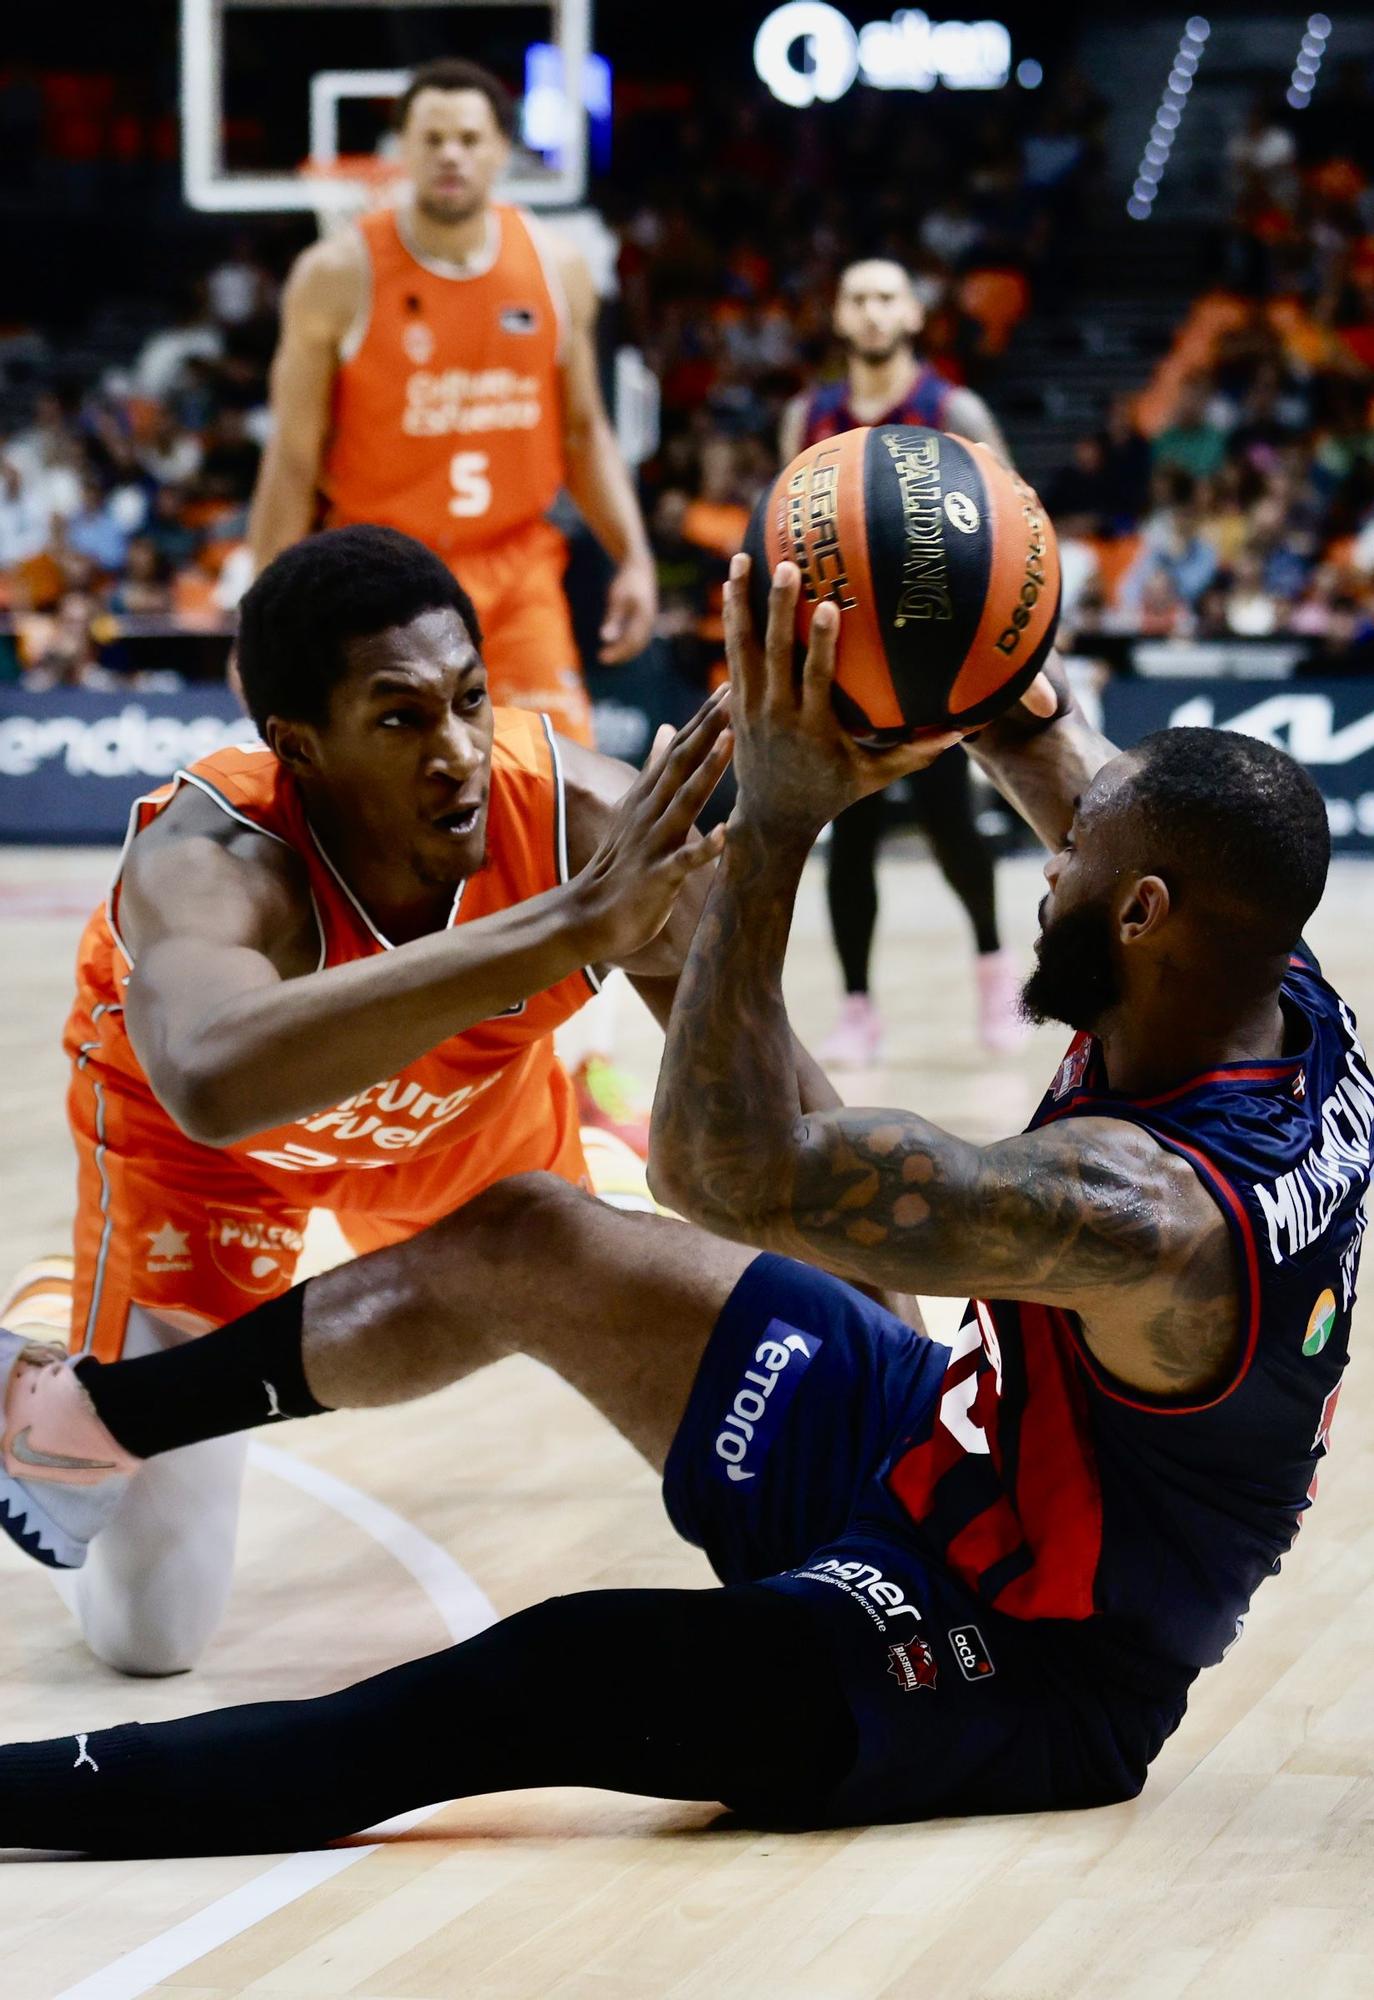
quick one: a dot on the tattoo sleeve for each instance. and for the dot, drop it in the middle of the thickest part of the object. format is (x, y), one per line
(1064, 1215)
(728, 1105)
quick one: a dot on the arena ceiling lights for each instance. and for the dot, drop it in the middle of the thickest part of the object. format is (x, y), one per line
(1309, 61)
(808, 52)
(207, 184)
(1169, 116)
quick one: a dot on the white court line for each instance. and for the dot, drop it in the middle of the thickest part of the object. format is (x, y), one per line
(463, 1607)
(464, 1610)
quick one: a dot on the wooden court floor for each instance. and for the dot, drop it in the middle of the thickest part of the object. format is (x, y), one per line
(1245, 1872)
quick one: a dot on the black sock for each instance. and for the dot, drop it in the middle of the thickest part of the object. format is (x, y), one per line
(851, 886)
(247, 1373)
(687, 1694)
(943, 796)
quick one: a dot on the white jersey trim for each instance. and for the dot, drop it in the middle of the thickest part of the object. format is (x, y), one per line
(560, 826)
(350, 347)
(180, 778)
(553, 280)
(383, 941)
(440, 267)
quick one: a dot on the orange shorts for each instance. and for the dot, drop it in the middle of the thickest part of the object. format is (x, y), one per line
(527, 634)
(197, 1240)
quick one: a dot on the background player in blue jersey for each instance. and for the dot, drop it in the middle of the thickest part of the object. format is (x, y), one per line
(877, 320)
(977, 1577)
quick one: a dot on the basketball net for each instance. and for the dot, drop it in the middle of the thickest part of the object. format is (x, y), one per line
(352, 186)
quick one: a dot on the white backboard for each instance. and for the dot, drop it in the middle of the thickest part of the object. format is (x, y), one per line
(207, 184)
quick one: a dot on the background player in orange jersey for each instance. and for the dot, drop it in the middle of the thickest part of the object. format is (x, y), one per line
(437, 373)
(328, 976)
(878, 320)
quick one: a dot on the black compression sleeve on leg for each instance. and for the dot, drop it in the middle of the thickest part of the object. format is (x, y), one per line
(704, 1694)
(247, 1373)
(943, 795)
(851, 886)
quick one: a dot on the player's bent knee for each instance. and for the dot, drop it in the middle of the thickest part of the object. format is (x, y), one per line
(151, 1633)
(142, 1651)
(525, 1212)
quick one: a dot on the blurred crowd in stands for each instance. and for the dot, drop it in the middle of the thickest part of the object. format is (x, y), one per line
(123, 503)
(1232, 494)
(730, 254)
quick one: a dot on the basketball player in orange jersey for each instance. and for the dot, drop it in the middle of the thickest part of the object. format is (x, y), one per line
(878, 320)
(328, 976)
(437, 374)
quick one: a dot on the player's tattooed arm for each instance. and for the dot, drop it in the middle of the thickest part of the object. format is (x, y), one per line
(1042, 754)
(1092, 1215)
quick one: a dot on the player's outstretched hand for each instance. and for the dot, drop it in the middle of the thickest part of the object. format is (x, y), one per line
(627, 890)
(795, 766)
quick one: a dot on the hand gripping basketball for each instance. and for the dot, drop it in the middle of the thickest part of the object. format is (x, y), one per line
(795, 766)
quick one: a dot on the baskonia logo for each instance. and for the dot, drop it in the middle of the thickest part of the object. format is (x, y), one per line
(912, 1665)
(1321, 1324)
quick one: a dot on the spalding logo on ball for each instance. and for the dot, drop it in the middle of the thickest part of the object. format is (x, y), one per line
(944, 566)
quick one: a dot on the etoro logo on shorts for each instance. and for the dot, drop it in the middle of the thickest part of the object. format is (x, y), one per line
(751, 1423)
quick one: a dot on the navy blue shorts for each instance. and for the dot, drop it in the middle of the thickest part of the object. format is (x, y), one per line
(776, 1472)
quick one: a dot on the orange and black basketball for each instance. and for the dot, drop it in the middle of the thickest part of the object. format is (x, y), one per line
(943, 563)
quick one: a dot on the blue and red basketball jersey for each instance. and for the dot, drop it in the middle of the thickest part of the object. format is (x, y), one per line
(926, 402)
(1055, 1492)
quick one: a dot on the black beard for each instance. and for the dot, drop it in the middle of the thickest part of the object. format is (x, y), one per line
(1074, 980)
(875, 356)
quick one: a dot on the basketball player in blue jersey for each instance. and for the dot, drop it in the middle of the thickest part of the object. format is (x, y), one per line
(954, 1579)
(878, 320)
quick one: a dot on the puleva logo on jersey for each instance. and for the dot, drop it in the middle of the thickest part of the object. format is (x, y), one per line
(254, 1252)
(751, 1423)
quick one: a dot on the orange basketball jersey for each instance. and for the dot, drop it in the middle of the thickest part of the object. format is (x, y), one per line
(410, 1146)
(447, 418)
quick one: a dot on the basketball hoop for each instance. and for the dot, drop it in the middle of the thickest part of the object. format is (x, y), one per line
(352, 185)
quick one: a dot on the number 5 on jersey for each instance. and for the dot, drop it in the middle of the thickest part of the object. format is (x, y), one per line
(471, 487)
